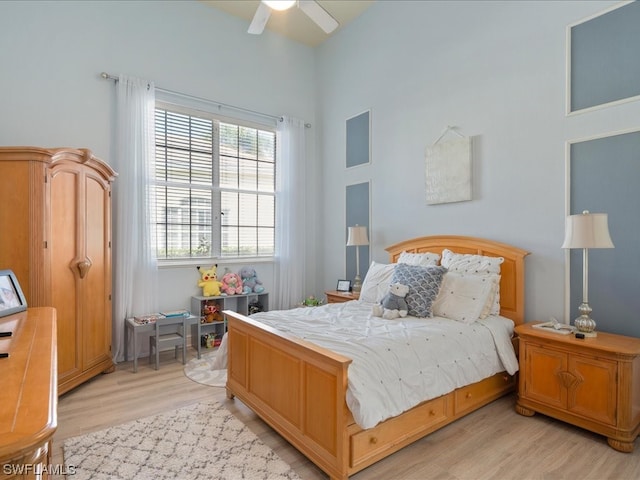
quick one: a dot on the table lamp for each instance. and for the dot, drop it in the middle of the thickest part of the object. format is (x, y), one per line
(585, 231)
(357, 237)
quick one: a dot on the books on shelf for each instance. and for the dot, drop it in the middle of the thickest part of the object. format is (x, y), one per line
(153, 317)
(176, 313)
(556, 327)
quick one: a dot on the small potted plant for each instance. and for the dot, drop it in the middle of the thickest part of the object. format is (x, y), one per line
(311, 301)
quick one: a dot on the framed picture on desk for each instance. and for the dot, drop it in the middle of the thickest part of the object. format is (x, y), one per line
(11, 297)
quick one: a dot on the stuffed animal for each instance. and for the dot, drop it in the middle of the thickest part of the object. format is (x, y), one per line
(250, 281)
(255, 307)
(211, 312)
(393, 304)
(231, 283)
(209, 282)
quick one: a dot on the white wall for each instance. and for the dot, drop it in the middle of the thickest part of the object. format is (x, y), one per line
(494, 69)
(497, 71)
(51, 92)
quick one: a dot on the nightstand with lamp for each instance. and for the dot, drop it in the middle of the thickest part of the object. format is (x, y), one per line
(588, 380)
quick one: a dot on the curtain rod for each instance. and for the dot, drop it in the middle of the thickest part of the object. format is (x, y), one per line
(108, 76)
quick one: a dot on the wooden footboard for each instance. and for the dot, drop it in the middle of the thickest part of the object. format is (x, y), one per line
(296, 387)
(299, 389)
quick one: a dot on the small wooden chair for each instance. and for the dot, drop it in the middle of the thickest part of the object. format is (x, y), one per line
(168, 333)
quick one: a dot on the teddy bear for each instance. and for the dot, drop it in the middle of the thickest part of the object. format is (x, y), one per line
(250, 281)
(211, 312)
(393, 304)
(209, 281)
(231, 283)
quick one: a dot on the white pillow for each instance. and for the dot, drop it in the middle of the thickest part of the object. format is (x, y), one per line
(376, 282)
(492, 307)
(462, 297)
(476, 265)
(420, 259)
(468, 263)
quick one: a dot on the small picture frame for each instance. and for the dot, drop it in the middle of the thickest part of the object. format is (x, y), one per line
(11, 297)
(344, 286)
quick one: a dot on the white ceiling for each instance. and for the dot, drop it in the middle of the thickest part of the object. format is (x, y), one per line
(293, 23)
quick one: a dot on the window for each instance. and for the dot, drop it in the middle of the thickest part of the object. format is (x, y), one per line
(214, 186)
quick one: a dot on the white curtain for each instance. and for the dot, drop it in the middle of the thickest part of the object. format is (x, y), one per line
(290, 213)
(134, 261)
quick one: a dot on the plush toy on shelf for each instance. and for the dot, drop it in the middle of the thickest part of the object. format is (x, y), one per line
(231, 283)
(393, 304)
(211, 312)
(209, 281)
(255, 307)
(250, 281)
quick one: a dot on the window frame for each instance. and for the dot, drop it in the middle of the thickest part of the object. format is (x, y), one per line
(216, 256)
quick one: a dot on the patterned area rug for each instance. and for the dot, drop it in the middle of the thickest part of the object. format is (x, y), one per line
(205, 370)
(202, 441)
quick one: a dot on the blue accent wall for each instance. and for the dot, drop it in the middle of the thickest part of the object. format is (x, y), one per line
(604, 58)
(358, 142)
(605, 176)
(357, 214)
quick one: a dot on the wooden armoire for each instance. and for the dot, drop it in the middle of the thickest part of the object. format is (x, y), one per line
(55, 234)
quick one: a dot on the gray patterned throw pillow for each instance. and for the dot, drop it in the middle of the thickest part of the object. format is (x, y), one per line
(424, 285)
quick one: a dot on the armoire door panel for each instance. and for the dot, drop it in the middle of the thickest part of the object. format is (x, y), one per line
(63, 242)
(14, 218)
(96, 285)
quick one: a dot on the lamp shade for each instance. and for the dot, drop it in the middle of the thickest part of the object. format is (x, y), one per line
(587, 230)
(357, 236)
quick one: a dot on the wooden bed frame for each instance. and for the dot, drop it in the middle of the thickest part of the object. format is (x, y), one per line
(300, 388)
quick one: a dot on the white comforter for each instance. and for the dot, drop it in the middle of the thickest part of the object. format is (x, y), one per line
(398, 364)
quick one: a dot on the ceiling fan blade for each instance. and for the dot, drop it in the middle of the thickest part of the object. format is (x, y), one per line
(260, 19)
(319, 15)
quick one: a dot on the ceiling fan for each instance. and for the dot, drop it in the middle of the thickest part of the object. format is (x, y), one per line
(310, 7)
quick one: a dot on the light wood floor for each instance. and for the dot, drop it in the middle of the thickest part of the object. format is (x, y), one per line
(492, 443)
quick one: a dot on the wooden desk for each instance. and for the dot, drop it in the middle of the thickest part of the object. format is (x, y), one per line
(29, 396)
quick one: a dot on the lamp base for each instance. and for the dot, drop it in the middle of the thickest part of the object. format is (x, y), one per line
(584, 323)
(357, 284)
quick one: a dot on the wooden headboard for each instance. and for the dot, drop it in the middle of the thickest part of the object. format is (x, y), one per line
(511, 271)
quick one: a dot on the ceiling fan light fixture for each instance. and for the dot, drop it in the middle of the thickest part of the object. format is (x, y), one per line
(279, 5)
